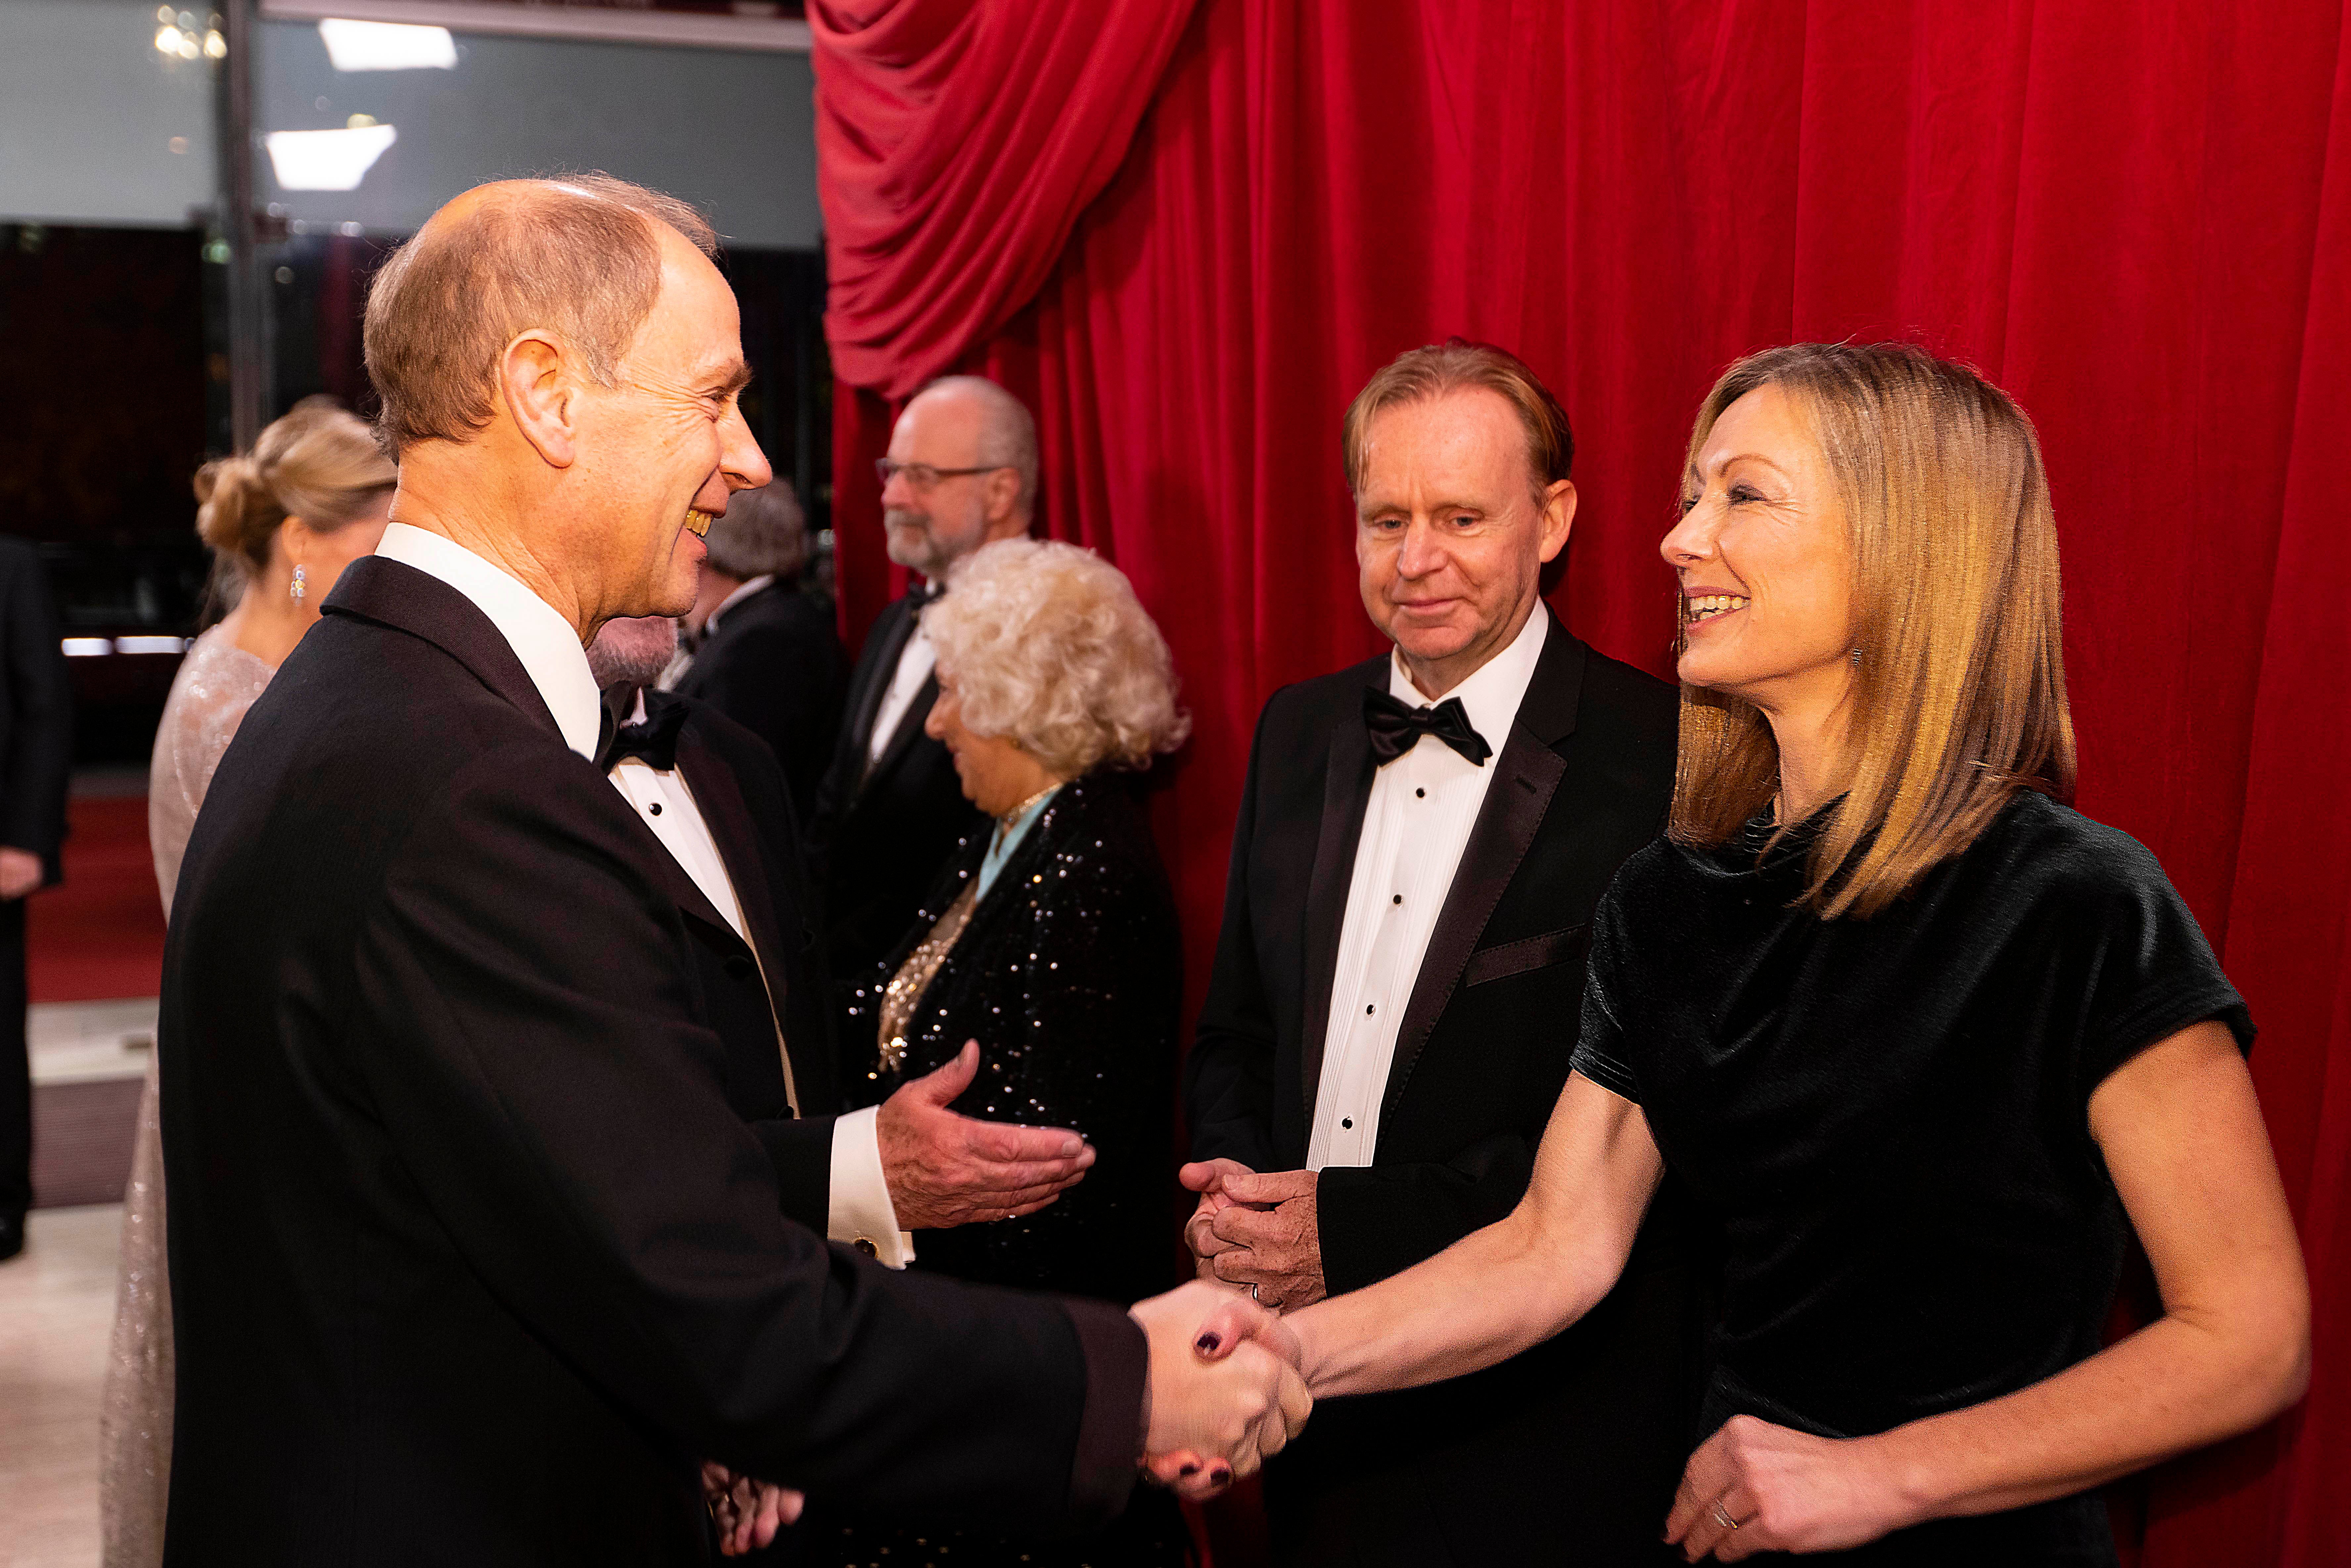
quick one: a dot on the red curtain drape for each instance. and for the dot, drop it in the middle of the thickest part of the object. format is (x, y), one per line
(2137, 219)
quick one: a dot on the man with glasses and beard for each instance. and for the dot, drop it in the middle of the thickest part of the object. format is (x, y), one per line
(962, 473)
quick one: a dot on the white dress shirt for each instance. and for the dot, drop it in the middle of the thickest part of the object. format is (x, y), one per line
(915, 663)
(1416, 825)
(549, 649)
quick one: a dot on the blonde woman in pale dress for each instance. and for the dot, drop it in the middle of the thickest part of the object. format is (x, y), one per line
(284, 520)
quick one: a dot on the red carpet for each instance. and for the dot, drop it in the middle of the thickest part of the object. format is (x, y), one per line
(100, 935)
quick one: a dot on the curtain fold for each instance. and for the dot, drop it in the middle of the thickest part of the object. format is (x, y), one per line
(2138, 219)
(956, 144)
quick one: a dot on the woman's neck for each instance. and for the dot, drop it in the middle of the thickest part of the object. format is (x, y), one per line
(1814, 764)
(266, 622)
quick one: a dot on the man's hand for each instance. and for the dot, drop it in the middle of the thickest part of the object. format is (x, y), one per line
(747, 1512)
(1272, 1237)
(20, 874)
(944, 1169)
(1225, 1391)
(1208, 1178)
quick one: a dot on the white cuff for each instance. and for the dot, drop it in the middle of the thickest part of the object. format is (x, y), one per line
(861, 1212)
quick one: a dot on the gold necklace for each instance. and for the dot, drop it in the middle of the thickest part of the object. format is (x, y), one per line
(1004, 823)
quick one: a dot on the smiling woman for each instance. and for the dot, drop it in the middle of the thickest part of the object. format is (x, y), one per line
(1866, 537)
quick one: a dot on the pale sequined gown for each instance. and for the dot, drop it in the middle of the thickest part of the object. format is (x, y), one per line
(217, 682)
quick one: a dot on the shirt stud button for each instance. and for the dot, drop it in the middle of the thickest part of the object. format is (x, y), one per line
(1370, 1007)
(654, 808)
(1420, 794)
(1348, 1122)
(1397, 899)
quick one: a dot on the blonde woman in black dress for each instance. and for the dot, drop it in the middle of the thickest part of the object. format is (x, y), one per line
(1932, 1045)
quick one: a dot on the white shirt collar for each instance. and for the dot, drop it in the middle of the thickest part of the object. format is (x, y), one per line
(1493, 692)
(541, 637)
(740, 594)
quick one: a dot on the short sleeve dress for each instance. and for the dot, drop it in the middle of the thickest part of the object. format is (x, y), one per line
(1890, 1117)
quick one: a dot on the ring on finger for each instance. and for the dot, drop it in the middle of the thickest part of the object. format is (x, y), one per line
(1722, 1516)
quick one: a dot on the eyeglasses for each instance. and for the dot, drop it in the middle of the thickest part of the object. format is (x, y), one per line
(921, 476)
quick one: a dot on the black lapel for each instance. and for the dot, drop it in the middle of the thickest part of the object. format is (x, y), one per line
(393, 593)
(909, 726)
(1346, 791)
(894, 629)
(1526, 776)
(724, 812)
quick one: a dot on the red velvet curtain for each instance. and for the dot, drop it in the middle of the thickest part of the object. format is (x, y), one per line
(2137, 219)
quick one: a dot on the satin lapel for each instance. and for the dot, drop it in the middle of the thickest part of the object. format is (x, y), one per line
(910, 727)
(1527, 775)
(896, 628)
(738, 842)
(1346, 791)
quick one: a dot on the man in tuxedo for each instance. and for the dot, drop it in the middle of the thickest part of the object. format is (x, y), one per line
(713, 797)
(1421, 841)
(474, 1260)
(962, 473)
(35, 751)
(766, 653)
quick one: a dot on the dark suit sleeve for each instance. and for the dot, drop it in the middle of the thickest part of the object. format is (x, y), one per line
(522, 1022)
(1378, 1220)
(801, 1152)
(40, 745)
(1228, 1077)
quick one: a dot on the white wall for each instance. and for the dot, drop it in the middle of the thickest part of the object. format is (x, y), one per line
(89, 108)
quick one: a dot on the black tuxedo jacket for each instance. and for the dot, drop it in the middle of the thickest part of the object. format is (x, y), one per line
(36, 711)
(774, 664)
(881, 834)
(472, 1258)
(1571, 1452)
(784, 984)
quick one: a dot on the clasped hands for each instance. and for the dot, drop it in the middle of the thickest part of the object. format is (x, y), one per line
(1260, 1233)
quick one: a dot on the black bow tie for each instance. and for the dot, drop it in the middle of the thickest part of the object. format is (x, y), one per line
(654, 742)
(1396, 727)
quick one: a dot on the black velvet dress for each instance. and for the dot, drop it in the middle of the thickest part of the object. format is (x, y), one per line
(1890, 1116)
(1070, 975)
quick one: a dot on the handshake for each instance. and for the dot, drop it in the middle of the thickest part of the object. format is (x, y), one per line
(1225, 1391)
(1224, 1394)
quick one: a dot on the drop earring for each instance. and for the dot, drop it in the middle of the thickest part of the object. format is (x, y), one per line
(1856, 647)
(300, 588)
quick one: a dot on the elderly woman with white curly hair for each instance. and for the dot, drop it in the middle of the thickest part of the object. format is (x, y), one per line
(1049, 939)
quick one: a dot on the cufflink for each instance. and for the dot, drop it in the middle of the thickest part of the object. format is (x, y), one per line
(865, 1244)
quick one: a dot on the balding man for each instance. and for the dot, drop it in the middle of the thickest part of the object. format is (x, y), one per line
(962, 473)
(472, 1263)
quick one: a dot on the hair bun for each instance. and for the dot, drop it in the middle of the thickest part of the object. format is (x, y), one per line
(238, 509)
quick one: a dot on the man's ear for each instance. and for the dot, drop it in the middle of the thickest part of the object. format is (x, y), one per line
(1558, 518)
(541, 395)
(1001, 493)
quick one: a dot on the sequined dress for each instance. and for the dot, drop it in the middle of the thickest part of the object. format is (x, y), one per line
(1068, 973)
(217, 682)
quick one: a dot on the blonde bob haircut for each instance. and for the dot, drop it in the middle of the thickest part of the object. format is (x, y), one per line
(1049, 648)
(1958, 692)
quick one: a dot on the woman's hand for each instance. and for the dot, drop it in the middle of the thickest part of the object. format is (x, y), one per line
(747, 1512)
(1783, 1490)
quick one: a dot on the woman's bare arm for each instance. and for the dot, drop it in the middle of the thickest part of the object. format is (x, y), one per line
(1516, 1282)
(2183, 1138)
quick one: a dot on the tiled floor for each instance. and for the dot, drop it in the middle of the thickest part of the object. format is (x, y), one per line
(57, 1308)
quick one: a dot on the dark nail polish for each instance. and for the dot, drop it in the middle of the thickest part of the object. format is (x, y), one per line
(1207, 1344)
